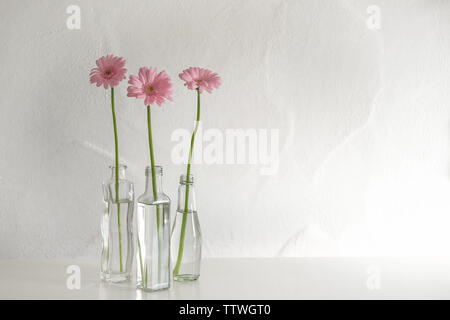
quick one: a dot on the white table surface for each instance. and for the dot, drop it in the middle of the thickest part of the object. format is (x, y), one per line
(248, 278)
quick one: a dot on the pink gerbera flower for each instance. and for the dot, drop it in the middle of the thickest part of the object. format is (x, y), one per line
(151, 86)
(109, 72)
(200, 78)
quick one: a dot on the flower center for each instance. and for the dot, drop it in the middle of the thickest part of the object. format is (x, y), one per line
(150, 90)
(108, 73)
(198, 81)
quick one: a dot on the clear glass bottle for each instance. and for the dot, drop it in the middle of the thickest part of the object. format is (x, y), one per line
(117, 227)
(153, 233)
(186, 241)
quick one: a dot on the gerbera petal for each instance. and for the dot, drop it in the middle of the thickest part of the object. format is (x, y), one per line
(109, 71)
(135, 81)
(151, 86)
(200, 78)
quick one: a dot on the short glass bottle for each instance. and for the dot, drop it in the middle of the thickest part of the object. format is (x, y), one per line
(117, 227)
(186, 239)
(153, 234)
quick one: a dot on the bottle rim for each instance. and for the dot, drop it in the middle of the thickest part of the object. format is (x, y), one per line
(158, 170)
(184, 180)
(121, 166)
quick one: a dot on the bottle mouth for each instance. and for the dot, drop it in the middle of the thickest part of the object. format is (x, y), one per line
(121, 166)
(184, 180)
(158, 170)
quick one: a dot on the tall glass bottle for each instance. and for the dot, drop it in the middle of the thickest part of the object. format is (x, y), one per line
(153, 233)
(186, 241)
(117, 227)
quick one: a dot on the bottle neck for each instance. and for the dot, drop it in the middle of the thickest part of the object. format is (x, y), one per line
(120, 172)
(186, 195)
(151, 187)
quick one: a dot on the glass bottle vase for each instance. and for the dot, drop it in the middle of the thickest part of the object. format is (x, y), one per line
(117, 227)
(186, 239)
(153, 234)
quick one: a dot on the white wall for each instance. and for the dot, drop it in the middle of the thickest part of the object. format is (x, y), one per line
(363, 119)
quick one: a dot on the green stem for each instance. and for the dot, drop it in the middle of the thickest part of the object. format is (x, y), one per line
(176, 270)
(155, 195)
(117, 176)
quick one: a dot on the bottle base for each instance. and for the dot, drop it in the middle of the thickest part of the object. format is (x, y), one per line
(159, 287)
(186, 277)
(115, 277)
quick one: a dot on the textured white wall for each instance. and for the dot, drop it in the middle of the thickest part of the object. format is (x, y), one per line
(363, 118)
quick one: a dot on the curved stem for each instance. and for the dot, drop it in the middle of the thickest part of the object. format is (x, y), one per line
(152, 156)
(117, 176)
(176, 270)
(155, 195)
